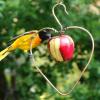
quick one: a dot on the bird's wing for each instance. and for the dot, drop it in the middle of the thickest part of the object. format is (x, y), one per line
(29, 32)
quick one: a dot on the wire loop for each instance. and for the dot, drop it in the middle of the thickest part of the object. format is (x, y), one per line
(49, 82)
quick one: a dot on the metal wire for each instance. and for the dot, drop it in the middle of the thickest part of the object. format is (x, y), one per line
(49, 82)
(67, 28)
(53, 12)
(29, 32)
(53, 29)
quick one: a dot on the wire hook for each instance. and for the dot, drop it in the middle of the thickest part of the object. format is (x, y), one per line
(53, 12)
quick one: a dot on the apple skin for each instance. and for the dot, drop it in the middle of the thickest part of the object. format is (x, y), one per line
(61, 47)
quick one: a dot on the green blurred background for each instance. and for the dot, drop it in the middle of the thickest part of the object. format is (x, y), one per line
(19, 81)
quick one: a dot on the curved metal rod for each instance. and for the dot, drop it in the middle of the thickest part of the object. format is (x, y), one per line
(31, 32)
(25, 33)
(67, 93)
(53, 29)
(53, 12)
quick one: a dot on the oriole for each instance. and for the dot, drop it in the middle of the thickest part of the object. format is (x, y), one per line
(23, 42)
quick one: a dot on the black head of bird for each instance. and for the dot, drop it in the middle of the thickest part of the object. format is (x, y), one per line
(45, 34)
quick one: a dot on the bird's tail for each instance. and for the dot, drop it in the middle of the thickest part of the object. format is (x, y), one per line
(4, 53)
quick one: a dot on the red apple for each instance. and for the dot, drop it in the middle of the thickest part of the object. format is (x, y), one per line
(61, 47)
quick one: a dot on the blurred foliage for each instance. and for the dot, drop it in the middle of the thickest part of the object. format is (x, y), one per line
(19, 81)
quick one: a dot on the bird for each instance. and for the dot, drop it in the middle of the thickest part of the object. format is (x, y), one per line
(32, 38)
